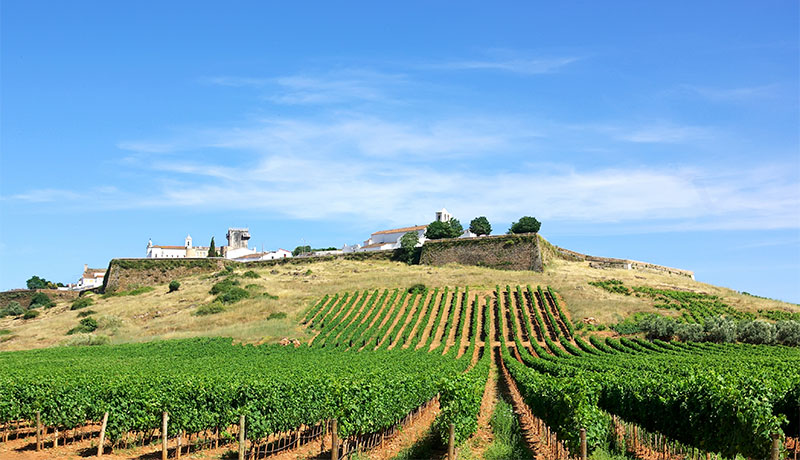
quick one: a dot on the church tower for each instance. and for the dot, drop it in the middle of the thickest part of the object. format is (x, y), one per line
(443, 215)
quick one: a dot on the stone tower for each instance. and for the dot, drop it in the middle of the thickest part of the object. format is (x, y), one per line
(237, 238)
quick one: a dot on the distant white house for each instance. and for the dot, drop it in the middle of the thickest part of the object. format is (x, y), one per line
(91, 278)
(390, 239)
(271, 255)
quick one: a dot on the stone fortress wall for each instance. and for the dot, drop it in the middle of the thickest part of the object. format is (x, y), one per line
(625, 264)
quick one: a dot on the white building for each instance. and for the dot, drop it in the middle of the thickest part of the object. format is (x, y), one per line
(236, 248)
(91, 278)
(390, 239)
(271, 255)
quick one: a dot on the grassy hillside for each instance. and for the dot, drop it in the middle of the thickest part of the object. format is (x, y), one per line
(158, 314)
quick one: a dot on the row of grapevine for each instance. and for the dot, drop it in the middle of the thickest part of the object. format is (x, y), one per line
(461, 394)
(346, 334)
(205, 384)
(357, 341)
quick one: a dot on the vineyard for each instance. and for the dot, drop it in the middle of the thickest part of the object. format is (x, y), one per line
(379, 358)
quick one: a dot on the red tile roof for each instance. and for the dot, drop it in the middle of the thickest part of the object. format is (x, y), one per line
(402, 230)
(374, 245)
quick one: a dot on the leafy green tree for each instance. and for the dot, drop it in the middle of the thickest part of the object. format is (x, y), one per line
(409, 241)
(408, 247)
(455, 228)
(301, 250)
(35, 282)
(212, 250)
(526, 224)
(437, 230)
(174, 285)
(480, 226)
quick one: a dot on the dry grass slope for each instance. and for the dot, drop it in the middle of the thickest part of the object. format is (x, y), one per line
(159, 315)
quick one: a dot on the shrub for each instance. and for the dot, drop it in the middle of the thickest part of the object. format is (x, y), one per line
(224, 285)
(526, 224)
(209, 309)
(174, 286)
(40, 299)
(81, 302)
(30, 314)
(12, 309)
(135, 291)
(418, 288)
(690, 332)
(658, 327)
(788, 333)
(251, 274)
(757, 332)
(720, 330)
(86, 313)
(84, 339)
(277, 315)
(233, 295)
(85, 325)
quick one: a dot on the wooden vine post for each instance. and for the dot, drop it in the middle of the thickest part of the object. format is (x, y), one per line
(583, 444)
(241, 437)
(180, 444)
(334, 441)
(38, 430)
(164, 438)
(451, 444)
(102, 434)
(776, 447)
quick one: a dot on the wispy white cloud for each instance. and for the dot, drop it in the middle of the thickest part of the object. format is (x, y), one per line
(740, 94)
(389, 173)
(526, 66)
(65, 196)
(329, 87)
(650, 132)
(506, 60)
(662, 133)
(359, 136)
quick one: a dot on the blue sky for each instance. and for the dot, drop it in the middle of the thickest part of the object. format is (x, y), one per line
(660, 132)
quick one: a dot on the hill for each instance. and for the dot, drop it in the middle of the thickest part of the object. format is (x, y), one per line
(151, 312)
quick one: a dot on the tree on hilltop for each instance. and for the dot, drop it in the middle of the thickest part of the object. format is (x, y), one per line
(480, 226)
(35, 282)
(301, 250)
(408, 250)
(437, 230)
(212, 250)
(455, 228)
(526, 224)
